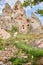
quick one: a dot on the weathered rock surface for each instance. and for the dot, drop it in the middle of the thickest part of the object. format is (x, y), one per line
(37, 43)
(16, 17)
(36, 26)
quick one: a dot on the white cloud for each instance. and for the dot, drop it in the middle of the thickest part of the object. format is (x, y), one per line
(41, 4)
(27, 8)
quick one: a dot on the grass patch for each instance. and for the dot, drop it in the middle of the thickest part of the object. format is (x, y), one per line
(29, 50)
(1, 40)
(26, 36)
(18, 61)
(26, 48)
(1, 44)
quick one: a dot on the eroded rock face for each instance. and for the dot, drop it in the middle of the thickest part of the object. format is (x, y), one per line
(16, 17)
(35, 23)
(37, 43)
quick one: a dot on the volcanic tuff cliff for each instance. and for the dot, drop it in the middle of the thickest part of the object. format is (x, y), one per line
(16, 17)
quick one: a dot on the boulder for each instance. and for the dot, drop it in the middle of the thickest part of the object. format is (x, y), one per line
(4, 34)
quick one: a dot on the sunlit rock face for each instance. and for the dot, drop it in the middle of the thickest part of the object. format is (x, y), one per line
(4, 34)
(20, 18)
(35, 23)
(37, 43)
(16, 17)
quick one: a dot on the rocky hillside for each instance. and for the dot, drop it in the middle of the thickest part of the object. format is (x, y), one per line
(16, 17)
(22, 50)
(21, 37)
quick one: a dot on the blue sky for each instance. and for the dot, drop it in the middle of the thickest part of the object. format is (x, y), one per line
(27, 9)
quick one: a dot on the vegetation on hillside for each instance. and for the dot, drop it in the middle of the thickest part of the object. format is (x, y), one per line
(32, 3)
(33, 54)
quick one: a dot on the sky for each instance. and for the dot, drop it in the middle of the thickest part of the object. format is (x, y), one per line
(27, 9)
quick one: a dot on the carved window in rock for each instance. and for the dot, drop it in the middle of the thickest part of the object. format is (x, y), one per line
(21, 14)
(11, 18)
(27, 20)
(27, 25)
(23, 26)
(16, 7)
(32, 21)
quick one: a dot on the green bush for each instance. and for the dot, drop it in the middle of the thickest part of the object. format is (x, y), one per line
(33, 52)
(30, 50)
(26, 48)
(14, 29)
(1, 40)
(18, 61)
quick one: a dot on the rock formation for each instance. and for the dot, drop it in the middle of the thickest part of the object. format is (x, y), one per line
(35, 23)
(7, 10)
(16, 17)
(4, 34)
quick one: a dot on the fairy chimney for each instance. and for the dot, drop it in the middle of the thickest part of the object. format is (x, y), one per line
(21, 19)
(16, 17)
(18, 6)
(7, 10)
(35, 23)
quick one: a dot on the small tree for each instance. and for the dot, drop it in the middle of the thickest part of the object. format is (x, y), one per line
(14, 29)
(32, 3)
